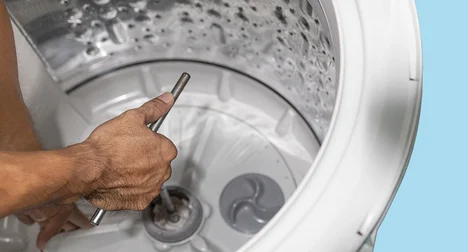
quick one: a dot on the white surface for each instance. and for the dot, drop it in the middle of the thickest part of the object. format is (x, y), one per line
(224, 125)
(368, 146)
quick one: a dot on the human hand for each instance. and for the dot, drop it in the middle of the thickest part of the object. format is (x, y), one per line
(54, 219)
(131, 161)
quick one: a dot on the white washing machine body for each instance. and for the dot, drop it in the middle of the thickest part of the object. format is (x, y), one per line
(343, 197)
(367, 150)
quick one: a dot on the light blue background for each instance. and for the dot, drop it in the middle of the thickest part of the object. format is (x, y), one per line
(430, 211)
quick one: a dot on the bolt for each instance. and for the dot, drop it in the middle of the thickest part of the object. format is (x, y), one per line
(174, 217)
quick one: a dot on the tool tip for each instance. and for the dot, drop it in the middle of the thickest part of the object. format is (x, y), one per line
(94, 223)
(97, 217)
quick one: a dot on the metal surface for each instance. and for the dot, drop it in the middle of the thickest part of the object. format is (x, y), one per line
(176, 91)
(159, 225)
(285, 44)
(97, 217)
(166, 198)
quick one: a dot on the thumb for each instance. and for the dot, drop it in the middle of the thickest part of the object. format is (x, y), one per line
(157, 107)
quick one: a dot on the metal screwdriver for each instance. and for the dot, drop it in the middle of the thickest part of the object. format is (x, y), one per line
(176, 91)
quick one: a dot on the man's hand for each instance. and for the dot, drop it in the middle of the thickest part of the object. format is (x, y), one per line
(121, 166)
(132, 161)
(54, 219)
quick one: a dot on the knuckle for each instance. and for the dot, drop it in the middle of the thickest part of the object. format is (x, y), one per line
(169, 150)
(99, 203)
(127, 113)
(173, 152)
(106, 203)
(168, 174)
(132, 114)
(157, 103)
(155, 106)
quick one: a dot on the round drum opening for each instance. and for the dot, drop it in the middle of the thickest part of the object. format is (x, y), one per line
(248, 126)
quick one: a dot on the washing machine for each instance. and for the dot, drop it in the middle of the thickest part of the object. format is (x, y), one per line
(293, 133)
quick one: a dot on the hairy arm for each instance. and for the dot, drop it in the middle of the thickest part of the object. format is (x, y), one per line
(30, 179)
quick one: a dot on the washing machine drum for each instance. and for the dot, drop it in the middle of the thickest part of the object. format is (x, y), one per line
(293, 133)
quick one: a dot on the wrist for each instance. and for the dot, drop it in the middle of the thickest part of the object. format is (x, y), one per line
(88, 167)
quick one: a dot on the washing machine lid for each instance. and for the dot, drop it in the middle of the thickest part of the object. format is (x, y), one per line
(363, 158)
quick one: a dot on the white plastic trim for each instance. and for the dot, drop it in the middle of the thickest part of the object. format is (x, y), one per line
(372, 134)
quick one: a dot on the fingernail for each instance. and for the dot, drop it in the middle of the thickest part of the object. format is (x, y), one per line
(166, 97)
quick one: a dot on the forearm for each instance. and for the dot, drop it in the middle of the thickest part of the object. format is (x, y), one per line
(30, 179)
(16, 131)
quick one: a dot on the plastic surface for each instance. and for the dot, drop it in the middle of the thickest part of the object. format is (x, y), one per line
(225, 125)
(12, 235)
(250, 201)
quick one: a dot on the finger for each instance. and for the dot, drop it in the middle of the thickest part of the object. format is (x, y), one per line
(67, 227)
(168, 148)
(112, 202)
(68, 201)
(156, 108)
(50, 228)
(168, 174)
(43, 213)
(79, 219)
(103, 200)
(25, 219)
